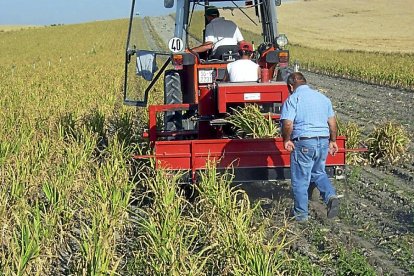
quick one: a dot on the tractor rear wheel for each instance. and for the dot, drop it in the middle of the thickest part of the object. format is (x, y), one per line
(172, 95)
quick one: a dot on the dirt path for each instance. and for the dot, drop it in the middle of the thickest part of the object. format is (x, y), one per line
(366, 104)
(377, 210)
(165, 28)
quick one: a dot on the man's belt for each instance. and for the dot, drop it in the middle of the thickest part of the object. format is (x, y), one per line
(309, 138)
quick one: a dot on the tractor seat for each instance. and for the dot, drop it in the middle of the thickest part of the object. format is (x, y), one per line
(226, 53)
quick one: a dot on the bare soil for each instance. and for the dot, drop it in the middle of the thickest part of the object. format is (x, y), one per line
(377, 208)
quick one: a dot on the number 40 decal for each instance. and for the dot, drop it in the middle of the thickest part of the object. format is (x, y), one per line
(176, 44)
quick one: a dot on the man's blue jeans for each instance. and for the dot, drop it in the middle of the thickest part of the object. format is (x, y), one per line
(307, 164)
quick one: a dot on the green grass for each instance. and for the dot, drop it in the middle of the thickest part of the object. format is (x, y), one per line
(352, 262)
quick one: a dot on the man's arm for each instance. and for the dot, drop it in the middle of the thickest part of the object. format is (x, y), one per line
(287, 128)
(238, 35)
(332, 129)
(333, 147)
(203, 47)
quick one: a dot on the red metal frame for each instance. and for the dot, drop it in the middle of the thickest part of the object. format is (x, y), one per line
(252, 92)
(152, 114)
(193, 155)
(227, 93)
(211, 102)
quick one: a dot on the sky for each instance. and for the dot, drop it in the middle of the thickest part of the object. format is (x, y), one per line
(47, 12)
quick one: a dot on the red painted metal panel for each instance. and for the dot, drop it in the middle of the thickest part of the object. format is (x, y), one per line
(174, 155)
(253, 92)
(242, 153)
(206, 106)
(339, 158)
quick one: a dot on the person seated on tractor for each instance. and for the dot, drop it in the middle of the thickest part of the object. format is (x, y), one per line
(218, 32)
(243, 69)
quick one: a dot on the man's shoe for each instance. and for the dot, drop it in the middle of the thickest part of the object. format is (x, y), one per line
(333, 207)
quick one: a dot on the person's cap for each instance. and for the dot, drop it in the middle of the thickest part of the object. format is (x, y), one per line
(212, 11)
(246, 46)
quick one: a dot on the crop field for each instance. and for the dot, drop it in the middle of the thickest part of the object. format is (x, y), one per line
(370, 41)
(375, 26)
(63, 205)
(352, 49)
(7, 28)
(74, 202)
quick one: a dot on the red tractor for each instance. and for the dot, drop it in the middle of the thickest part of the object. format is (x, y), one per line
(192, 128)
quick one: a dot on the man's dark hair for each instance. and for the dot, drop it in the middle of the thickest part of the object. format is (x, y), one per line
(245, 52)
(296, 77)
(212, 11)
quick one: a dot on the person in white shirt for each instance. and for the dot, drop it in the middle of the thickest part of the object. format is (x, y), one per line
(243, 69)
(218, 32)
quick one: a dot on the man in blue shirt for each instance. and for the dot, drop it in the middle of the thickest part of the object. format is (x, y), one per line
(309, 133)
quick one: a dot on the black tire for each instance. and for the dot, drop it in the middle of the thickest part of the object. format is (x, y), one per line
(172, 95)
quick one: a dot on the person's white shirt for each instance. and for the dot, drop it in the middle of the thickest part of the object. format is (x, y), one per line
(243, 70)
(222, 32)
